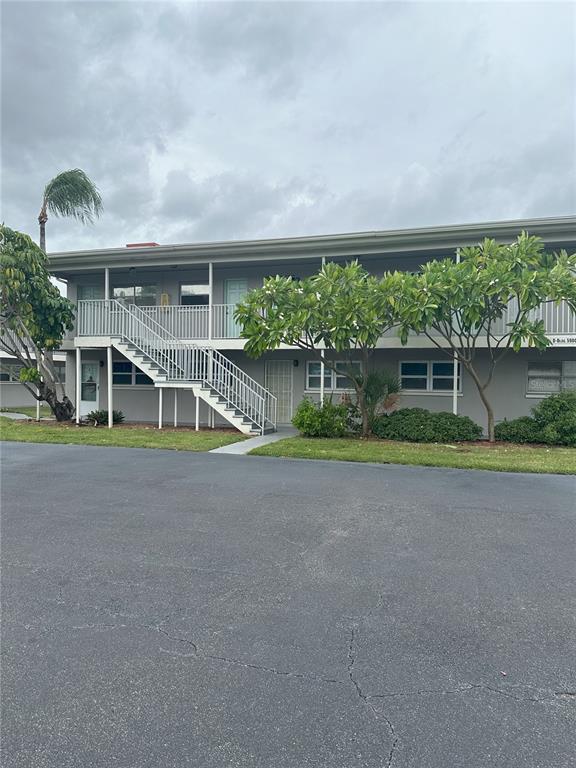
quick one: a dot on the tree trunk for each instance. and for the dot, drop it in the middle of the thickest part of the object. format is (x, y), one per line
(490, 415)
(63, 410)
(485, 402)
(42, 219)
(363, 412)
(360, 394)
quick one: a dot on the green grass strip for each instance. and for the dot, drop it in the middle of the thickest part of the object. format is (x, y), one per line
(137, 437)
(501, 458)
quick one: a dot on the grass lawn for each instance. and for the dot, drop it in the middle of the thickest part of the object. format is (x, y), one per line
(125, 436)
(29, 410)
(502, 457)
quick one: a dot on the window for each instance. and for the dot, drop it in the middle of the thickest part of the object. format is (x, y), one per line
(333, 380)
(341, 379)
(122, 372)
(194, 295)
(126, 374)
(549, 378)
(314, 374)
(429, 376)
(90, 292)
(11, 371)
(61, 371)
(141, 295)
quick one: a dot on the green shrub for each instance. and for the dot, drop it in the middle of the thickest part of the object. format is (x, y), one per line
(555, 417)
(321, 420)
(101, 417)
(522, 430)
(417, 425)
(553, 421)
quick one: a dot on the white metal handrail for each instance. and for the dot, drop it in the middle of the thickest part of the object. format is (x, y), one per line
(183, 322)
(180, 361)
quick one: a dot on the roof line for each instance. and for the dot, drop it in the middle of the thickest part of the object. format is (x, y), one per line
(400, 238)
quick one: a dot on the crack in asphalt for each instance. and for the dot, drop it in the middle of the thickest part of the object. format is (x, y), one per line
(464, 688)
(364, 698)
(197, 653)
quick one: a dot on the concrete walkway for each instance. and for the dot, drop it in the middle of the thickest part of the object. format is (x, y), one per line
(245, 446)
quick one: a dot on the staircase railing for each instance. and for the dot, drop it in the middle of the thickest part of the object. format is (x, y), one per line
(180, 361)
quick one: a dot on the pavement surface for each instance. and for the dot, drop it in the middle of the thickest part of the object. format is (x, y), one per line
(245, 446)
(167, 609)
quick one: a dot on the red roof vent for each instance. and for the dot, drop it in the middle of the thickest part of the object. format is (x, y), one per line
(140, 245)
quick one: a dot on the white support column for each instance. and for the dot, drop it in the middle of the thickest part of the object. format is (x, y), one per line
(455, 388)
(175, 407)
(455, 369)
(106, 283)
(160, 406)
(322, 359)
(212, 418)
(210, 300)
(78, 382)
(38, 393)
(109, 378)
(197, 399)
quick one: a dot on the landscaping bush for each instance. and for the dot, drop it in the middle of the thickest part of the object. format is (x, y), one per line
(321, 420)
(556, 419)
(553, 421)
(417, 425)
(101, 417)
(522, 430)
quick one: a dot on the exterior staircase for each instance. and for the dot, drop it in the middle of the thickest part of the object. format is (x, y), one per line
(169, 362)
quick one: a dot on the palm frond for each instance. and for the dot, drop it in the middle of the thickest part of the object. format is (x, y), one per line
(72, 193)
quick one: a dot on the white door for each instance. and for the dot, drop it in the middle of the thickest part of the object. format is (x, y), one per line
(89, 388)
(234, 291)
(279, 380)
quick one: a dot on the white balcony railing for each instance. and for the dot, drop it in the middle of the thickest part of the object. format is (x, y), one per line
(178, 360)
(95, 318)
(182, 322)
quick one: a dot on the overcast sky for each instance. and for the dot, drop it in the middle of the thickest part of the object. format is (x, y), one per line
(208, 121)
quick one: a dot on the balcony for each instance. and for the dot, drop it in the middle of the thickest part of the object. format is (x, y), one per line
(96, 318)
(216, 322)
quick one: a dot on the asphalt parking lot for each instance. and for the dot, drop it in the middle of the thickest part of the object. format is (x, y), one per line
(179, 609)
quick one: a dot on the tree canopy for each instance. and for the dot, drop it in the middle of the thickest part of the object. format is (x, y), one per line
(33, 316)
(489, 300)
(341, 309)
(70, 193)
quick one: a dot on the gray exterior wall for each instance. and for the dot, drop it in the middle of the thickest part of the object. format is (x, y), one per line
(507, 392)
(13, 394)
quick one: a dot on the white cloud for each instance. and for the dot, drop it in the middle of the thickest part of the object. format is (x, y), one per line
(211, 120)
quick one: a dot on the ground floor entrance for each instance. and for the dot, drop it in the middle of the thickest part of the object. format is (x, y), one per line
(90, 389)
(279, 380)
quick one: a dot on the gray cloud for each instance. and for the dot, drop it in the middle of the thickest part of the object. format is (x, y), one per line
(223, 120)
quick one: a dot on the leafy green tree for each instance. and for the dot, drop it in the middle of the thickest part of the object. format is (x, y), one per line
(70, 193)
(33, 318)
(487, 301)
(342, 310)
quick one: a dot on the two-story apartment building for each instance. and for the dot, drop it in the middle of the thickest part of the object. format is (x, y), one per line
(155, 334)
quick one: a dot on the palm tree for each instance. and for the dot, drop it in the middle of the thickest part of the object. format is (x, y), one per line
(71, 193)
